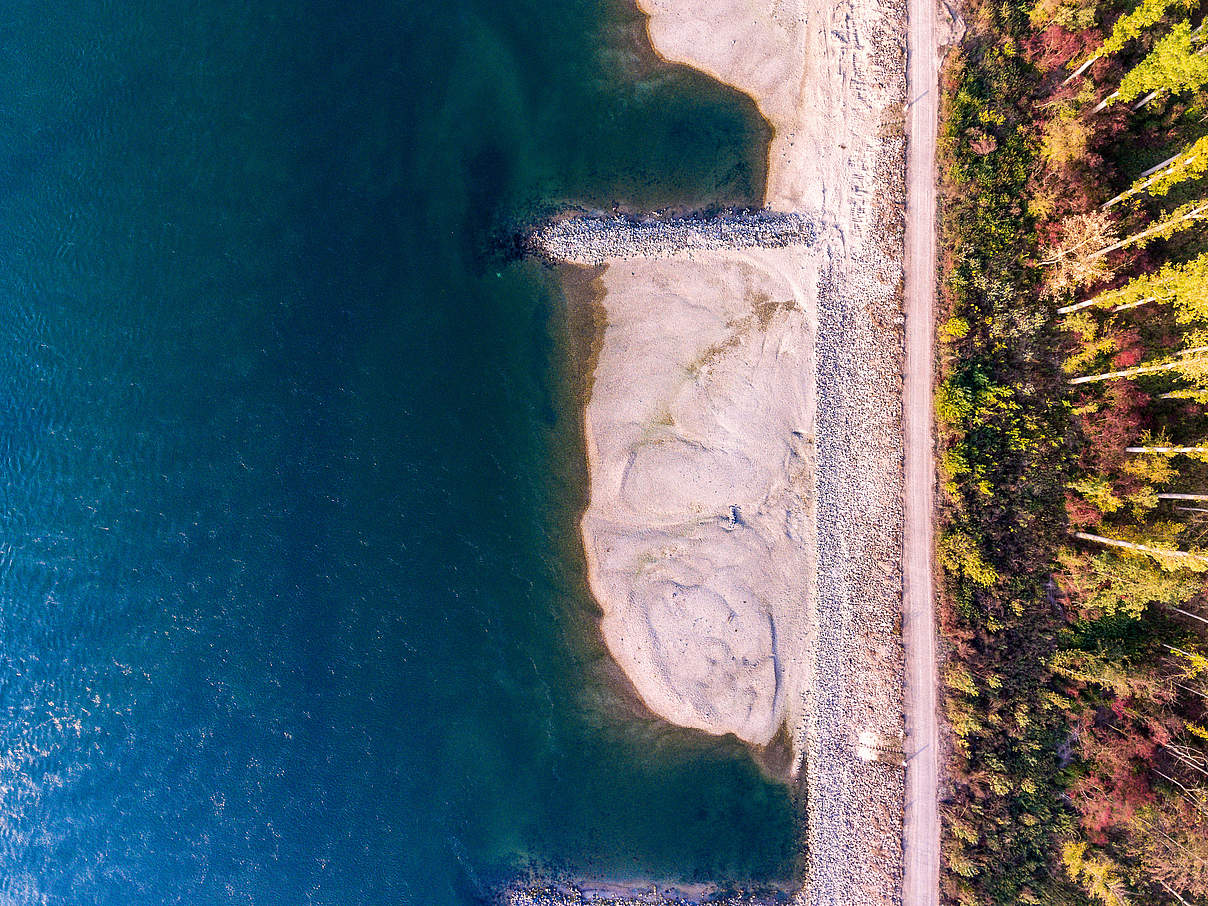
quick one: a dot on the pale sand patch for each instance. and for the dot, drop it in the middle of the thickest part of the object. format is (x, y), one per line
(699, 436)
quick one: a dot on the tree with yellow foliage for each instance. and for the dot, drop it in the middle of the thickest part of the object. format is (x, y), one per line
(1174, 66)
(1099, 875)
(1184, 287)
(1147, 14)
(1190, 163)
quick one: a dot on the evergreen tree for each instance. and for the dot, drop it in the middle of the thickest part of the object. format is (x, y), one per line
(1099, 875)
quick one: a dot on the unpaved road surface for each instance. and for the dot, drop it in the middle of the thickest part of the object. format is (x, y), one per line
(921, 833)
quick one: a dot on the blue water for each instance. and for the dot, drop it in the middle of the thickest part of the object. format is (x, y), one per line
(291, 603)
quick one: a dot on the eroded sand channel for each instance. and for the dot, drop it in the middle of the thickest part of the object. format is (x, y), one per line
(744, 435)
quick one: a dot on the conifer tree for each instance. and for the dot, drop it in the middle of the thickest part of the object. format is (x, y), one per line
(1100, 876)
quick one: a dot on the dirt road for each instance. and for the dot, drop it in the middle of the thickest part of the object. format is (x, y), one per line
(921, 834)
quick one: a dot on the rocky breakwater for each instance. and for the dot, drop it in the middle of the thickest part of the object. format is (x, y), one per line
(591, 240)
(616, 894)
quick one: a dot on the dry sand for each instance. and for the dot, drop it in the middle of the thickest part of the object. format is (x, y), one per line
(700, 440)
(744, 435)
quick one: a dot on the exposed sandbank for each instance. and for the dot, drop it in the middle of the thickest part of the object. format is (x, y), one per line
(699, 439)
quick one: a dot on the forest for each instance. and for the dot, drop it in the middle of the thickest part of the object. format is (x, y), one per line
(1073, 418)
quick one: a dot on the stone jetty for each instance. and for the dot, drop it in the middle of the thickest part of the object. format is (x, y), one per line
(614, 894)
(593, 240)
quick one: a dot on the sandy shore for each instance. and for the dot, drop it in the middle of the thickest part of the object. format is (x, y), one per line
(744, 436)
(700, 440)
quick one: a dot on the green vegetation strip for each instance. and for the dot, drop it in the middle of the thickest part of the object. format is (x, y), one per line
(1073, 413)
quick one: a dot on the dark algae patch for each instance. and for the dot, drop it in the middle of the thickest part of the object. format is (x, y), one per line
(292, 608)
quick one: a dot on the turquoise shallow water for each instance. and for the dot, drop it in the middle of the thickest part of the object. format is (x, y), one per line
(291, 609)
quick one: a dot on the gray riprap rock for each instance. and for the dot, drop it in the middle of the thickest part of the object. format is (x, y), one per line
(595, 240)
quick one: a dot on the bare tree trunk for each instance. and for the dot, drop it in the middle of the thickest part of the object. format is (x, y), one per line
(1145, 100)
(1170, 890)
(1177, 650)
(1195, 213)
(1156, 167)
(1185, 761)
(1190, 796)
(1081, 69)
(1183, 497)
(1198, 692)
(1131, 372)
(1141, 548)
(1157, 174)
(1087, 303)
(1166, 451)
(1188, 754)
(1186, 614)
(1077, 306)
(1107, 100)
(1137, 304)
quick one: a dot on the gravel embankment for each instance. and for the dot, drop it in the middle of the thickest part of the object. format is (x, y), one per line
(856, 805)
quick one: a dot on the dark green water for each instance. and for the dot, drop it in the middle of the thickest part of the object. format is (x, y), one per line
(291, 609)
